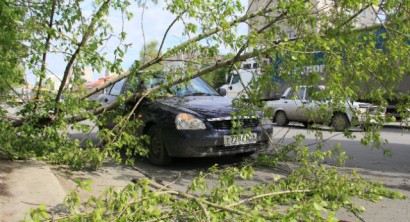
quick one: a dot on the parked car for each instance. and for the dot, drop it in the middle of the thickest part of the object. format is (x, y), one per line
(299, 106)
(191, 120)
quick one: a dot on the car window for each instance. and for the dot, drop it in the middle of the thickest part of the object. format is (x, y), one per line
(135, 85)
(290, 94)
(108, 89)
(311, 92)
(301, 94)
(116, 88)
(152, 82)
(235, 79)
(316, 93)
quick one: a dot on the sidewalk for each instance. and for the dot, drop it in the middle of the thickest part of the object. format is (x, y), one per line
(24, 185)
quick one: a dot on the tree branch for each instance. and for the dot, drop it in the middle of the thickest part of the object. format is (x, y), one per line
(166, 32)
(201, 72)
(90, 30)
(47, 44)
(204, 210)
(182, 45)
(267, 195)
(191, 197)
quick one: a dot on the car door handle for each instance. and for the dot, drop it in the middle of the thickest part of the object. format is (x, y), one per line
(286, 102)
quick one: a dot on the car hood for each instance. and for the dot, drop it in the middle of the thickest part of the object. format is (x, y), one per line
(361, 104)
(205, 106)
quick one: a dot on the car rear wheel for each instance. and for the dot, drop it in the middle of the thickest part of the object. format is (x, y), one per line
(281, 119)
(157, 154)
(340, 122)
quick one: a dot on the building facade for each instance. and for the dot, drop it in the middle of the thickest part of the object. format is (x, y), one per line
(317, 7)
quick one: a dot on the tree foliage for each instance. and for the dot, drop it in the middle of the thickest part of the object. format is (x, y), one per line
(12, 48)
(68, 29)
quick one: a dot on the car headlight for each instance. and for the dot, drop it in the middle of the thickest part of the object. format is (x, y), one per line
(185, 121)
(266, 121)
(362, 108)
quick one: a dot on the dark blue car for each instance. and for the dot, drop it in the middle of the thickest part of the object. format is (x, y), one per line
(192, 120)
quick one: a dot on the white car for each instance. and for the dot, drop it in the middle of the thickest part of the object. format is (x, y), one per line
(300, 107)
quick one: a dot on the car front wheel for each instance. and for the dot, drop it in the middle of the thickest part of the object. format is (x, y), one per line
(158, 154)
(281, 119)
(340, 122)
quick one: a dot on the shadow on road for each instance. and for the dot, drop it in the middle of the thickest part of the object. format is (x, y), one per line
(184, 167)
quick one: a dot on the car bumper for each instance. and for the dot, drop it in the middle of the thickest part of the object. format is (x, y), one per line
(204, 143)
(364, 119)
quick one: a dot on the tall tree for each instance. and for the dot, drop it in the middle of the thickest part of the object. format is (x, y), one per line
(12, 49)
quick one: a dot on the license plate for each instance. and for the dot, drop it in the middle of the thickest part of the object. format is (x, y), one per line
(241, 139)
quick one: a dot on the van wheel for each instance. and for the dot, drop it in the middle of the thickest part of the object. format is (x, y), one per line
(281, 119)
(340, 122)
(158, 154)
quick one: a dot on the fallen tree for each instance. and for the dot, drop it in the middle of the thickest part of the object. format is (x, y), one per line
(309, 191)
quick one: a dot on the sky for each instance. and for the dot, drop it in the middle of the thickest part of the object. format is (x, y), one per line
(155, 22)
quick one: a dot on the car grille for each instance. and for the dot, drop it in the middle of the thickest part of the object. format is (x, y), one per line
(227, 124)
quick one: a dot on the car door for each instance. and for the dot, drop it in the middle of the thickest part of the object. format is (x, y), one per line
(311, 107)
(293, 104)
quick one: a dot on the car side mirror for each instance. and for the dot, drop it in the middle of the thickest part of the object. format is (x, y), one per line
(221, 91)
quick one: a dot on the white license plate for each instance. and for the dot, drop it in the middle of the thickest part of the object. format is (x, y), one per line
(234, 140)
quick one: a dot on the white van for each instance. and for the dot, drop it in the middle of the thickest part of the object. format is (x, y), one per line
(239, 79)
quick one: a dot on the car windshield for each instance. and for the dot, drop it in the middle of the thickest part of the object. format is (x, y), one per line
(193, 87)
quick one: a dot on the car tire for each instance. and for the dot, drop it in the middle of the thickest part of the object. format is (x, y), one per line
(158, 154)
(340, 122)
(281, 119)
(307, 124)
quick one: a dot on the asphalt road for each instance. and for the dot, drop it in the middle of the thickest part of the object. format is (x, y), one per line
(361, 156)
(367, 157)
(371, 162)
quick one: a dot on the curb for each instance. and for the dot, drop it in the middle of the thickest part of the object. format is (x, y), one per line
(397, 125)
